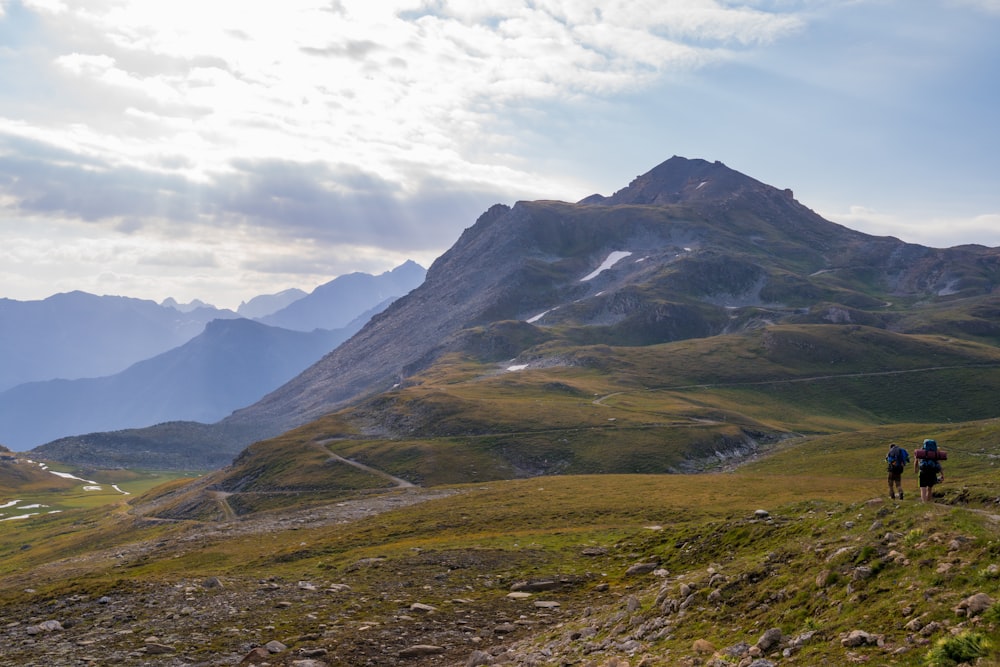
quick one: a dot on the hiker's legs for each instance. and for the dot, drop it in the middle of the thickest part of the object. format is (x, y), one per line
(895, 483)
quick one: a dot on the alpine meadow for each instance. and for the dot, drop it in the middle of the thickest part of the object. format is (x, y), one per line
(643, 429)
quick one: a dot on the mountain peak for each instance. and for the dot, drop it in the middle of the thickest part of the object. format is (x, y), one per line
(680, 180)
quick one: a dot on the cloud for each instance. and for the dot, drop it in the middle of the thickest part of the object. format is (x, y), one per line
(334, 204)
(937, 232)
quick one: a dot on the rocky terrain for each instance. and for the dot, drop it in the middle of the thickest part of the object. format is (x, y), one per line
(474, 606)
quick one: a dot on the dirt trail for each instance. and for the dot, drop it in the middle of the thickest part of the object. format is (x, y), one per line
(398, 481)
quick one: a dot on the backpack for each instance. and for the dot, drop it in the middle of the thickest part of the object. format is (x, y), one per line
(931, 452)
(897, 459)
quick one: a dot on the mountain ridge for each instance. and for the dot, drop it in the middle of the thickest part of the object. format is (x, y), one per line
(730, 256)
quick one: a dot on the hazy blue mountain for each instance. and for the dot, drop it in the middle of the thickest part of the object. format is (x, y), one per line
(335, 304)
(194, 304)
(267, 304)
(77, 335)
(231, 364)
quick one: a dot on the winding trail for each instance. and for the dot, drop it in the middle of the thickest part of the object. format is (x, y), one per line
(398, 481)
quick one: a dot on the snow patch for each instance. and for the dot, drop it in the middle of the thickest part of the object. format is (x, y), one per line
(66, 475)
(701, 185)
(539, 316)
(611, 260)
(517, 367)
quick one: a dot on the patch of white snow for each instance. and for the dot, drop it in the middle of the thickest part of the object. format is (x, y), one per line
(612, 259)
(538, 316)
(66, 475)
(517, 367)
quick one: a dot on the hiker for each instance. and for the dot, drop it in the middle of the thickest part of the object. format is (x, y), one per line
(896, 461)
(929, 470)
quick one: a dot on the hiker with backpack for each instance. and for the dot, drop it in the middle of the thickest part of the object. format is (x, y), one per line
(896, 461)
(928, 466)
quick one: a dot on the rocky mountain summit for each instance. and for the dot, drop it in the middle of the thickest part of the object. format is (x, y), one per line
(700, 250)
(691, 250)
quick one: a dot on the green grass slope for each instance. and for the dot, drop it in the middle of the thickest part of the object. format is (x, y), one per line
(829, 555)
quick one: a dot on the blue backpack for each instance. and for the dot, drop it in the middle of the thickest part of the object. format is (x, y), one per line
(897, 459)
(930, 446)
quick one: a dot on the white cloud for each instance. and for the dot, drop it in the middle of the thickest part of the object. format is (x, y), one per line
(937, 232)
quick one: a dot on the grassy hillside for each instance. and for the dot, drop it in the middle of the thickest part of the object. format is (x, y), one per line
(826, 555)
(512, 551)
(680, 407)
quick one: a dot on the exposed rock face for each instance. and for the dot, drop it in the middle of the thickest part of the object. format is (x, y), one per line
(691, 249)
(694, 243)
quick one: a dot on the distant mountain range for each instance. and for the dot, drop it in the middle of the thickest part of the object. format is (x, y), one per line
(690, 250)
(336, 304)
(229, 364)
(78, 335)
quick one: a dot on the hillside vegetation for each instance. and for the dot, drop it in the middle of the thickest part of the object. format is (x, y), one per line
(782, 548)
(638, 569)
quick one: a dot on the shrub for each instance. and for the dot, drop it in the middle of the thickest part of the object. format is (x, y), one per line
(951, 651)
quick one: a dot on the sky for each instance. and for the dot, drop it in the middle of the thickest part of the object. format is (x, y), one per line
(218, 150)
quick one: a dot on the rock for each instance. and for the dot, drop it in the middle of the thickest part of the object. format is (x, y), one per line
(212, 582)
(274, 646)
(702, 646)
(256, 656)
(642, 568)
(974, 605)
(536, 585)
(504, 628)
(153, 648)
(478, 659)
(770, 640)
(594, 551)
(546, 604)
(857, 638)
(313, 652)
(422, 608)
(420, 650)
(306, 586)
(762, 514)
(308, 662)
(930, 629)
(519, 595)
(737, 650)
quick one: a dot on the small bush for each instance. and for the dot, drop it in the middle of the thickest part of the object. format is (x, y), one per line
(951, 651)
